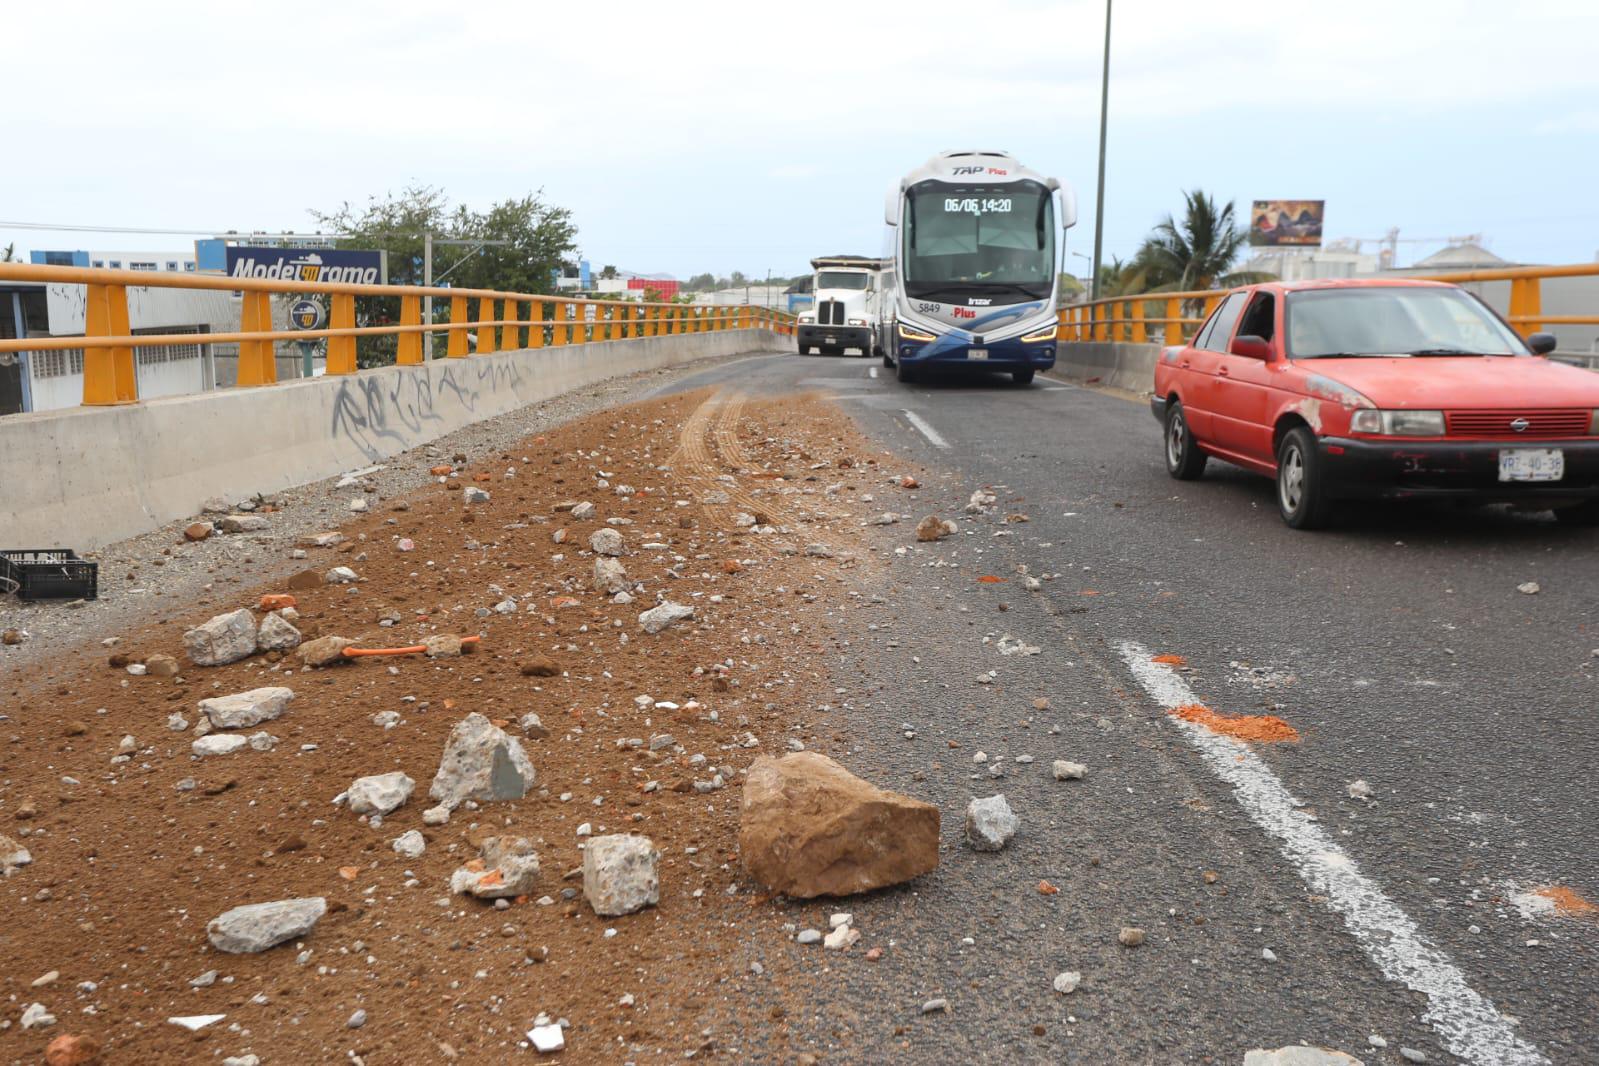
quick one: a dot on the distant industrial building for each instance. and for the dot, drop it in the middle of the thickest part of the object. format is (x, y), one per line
(175, 262)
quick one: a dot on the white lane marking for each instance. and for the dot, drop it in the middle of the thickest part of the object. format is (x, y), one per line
(927, 431)
(1467, 1023)
(871, 372)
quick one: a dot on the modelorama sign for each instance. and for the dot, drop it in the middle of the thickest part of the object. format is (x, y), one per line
(327, 265)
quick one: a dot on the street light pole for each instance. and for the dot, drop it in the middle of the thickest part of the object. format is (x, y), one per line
(1099, 199)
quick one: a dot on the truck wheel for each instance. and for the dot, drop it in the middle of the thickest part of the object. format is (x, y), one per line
(1301, 496)
(1022, 378)
(1184, 460)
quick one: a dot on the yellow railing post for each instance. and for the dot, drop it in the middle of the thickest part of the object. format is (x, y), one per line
(511, 333)
(1526, 298)
(1174, 324)
(456, 348)
(258, 364)
(109, 374)
(1136, 313)
(341, 350)
(652, 321)
(535, 325)
(560, 332)
(408, 351)
(485, 333)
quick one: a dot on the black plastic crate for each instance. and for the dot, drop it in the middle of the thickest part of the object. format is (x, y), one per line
(48, 573)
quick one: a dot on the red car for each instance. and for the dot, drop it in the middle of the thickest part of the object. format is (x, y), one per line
(1380, 389)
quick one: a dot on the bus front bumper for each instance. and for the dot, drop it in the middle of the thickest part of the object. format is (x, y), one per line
(991, 355)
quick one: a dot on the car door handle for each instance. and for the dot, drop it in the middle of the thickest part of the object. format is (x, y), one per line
(1184, 364)
(1223, 372)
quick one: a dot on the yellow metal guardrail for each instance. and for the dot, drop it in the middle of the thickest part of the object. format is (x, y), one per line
(1129, 318)
(109, 375)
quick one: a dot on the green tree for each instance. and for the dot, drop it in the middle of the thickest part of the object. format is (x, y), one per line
(1195, 253)
(9, 255)
(700, 282)
(538, 236)
(607, 272)
(739, 279)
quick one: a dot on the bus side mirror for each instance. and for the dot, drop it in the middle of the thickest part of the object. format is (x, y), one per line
(1541, 343)
(1068, 207)
(891, 205)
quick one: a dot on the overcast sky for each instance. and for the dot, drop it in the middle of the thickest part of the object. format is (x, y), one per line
(707, 136)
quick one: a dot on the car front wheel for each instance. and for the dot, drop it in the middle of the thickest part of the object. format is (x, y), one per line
(1184, 460)
(1301, 494)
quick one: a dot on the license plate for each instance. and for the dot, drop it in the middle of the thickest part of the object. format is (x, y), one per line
(1532, 464)
(832, 340)
(977, 353)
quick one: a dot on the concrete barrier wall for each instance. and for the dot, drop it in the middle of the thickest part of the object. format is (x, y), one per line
(1122, 366)
(87, 476)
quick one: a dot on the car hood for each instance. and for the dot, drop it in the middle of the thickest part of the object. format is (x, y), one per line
(1449, 382)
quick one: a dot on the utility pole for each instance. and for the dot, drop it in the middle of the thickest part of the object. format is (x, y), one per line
(427, 282)
(1099, 198)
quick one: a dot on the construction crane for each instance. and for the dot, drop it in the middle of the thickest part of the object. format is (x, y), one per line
(1388, 243)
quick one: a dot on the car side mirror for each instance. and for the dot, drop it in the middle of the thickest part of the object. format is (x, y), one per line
(1542, 343)
(1250, 347)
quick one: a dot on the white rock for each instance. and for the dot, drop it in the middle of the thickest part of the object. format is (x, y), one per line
(386, 719)
(546, 1038)
(258, 926)
(610, 576)
(1299, 1055)
(177, 723)
(276, 634)
(219, 744)
(262, 741)
(473, 494)
(809, 936)
(195, 1022)
(1069, 771)
(358, 505)
(531, 726)
(242, 523)
(1066, 982)
(990, 823)
(840, 938)
(12, 854)
(481, 762)
(410, 844)
(242, 710)
(227, 638)
(659, 617)
(380, 793)
(836, 920)
(36, 1017)
(436, 815)
(619, 874)
(1358, 790)
(510, 869)
(340, 575)
(242, 1060)
(1530, 588)
(606, 541)
(583, 511)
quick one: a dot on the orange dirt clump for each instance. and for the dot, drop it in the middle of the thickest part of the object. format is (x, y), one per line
(1263, 728)
(1171, 660)
(1046, 889)
(1568, 902)
(990, 579)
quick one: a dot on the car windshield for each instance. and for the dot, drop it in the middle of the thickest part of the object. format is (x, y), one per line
(1394, 320)
(840, 279)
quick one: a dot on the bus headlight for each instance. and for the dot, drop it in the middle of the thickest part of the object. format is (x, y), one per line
(1041, 336)
(857, 321)
(906, 333)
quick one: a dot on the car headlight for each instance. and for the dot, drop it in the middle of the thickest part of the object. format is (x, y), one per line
(857, 321)
(1593, 425)
(1398, 423)
(908, 334)
(1041, 335)
(807, 319)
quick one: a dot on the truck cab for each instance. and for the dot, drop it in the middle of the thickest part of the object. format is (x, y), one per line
(847, 308)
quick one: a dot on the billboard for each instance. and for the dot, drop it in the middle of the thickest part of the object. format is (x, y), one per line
(327, 265)
(1286, 222)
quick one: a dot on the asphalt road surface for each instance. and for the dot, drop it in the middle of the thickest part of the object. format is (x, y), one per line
(1397, 645)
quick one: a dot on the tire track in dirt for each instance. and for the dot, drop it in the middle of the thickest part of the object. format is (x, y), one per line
(708, 449)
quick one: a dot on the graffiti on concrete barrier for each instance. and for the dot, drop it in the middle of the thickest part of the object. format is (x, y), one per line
(381, 414)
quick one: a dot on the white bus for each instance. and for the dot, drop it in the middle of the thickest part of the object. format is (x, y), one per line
(971, 266)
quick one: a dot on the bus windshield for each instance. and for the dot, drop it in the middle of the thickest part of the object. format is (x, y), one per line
(979, 240)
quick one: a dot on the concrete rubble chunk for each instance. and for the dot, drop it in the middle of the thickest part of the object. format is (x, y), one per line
(583, 511)
(215, 505)
(227, 638)
(443, 646)
(811, 828)
(610, 575)
(532, 727)
(219, 744)
(340, 575)
(1068, 771)
(934, 528)
(242, 523)
(276, 634)
(619, 874)
(323, 651)
(508, 867)
(379, 793)
(990, 823)
(1299, 1055)
(161, 665)
(12, 855)
(410, 844)
(242, 710)
(663, 615)
(258, 926)
(606, 541)
(320, 540)
(481, 762)
(473, 494)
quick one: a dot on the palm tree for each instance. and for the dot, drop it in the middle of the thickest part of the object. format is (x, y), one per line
(1198, 253)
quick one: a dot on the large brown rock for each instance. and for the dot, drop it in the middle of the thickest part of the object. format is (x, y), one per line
(811, 828)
